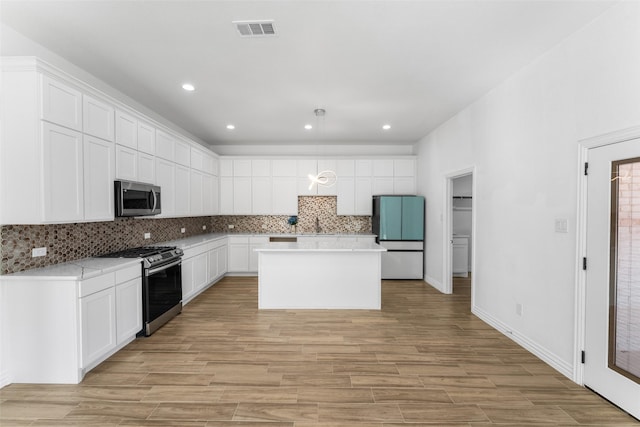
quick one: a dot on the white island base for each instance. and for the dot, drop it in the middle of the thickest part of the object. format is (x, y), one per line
(319, 275)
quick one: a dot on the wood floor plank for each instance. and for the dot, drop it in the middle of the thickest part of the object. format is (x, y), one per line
(424, 359)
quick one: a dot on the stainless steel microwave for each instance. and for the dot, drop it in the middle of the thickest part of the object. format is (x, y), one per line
(137, 199)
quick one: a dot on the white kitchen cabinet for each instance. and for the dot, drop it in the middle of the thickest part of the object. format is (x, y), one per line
(62, 174)
(165, 178)
(226, 167)
(241, 167)
(99, 169)
(165, 145)
(305, 168)
(383, 186)
(188, 282)
(226, 195)
(238, 249)
(363, 196)
(200, 274)
(128, 309)
(146, 168)
(404, 185)
(261, 195)
(126, 163)
(254, 242)
(146, 138)
(182, 192)
(345, 167)
(460, 256)
(223, 256)
(284, 195)
(284, 167)
(346, 192)
(242, 195)
(97, 118)
(209, 194)
(404, 168)
(197, 205)
(98, 319)
(61, 103)
(363, 167)
(212, 271)
(182, 153)
(217, 260)
(382, 167)
(327, 165)
(260, 167)
(126, 130)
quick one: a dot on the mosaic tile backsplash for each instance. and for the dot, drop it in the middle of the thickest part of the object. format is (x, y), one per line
(68, 242)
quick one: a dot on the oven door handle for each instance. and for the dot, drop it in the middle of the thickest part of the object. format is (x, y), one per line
(163, 267)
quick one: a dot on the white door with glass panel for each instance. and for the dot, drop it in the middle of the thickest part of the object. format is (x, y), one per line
(612, 329)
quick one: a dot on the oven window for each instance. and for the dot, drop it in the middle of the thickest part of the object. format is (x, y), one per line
(163, 291)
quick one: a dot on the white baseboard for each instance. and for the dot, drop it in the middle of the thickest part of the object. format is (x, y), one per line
(541, 352)
(5, 379)
(434, 283)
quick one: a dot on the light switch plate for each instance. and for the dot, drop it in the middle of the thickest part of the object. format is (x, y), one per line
(147, 235)
(562, 225)
(36, 252)
(182, 230)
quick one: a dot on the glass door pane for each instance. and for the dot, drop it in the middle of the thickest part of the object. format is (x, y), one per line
(624, 288)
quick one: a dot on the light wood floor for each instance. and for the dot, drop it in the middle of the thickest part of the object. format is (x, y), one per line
(422, 360)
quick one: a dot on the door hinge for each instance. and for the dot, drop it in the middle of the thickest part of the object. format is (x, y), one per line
(586, 168)
(582, 356)
(584, 263)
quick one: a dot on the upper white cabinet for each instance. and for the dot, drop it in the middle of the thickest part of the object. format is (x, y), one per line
(99, 166)
(146, 138)
(165, 178)
(182, 154)
(126, 163)
(307, 167)
(327, 165)
(61, 103)
(146, 168)
(126, 130)
(182, 192)
(164, 145)
(63, 178)
(97, 118)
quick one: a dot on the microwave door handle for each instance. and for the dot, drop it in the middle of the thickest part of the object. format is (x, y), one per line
(155, 201)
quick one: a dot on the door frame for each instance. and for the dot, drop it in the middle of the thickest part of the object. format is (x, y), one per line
(584, 145)
(447, 230)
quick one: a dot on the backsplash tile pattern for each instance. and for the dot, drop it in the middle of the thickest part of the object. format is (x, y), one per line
(309, 208)
(68, 242)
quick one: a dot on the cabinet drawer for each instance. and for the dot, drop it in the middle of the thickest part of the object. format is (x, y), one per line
(97, 284)
(258, 240)
(196, 250)
(238, 240)
(128, 273)
(219, 243)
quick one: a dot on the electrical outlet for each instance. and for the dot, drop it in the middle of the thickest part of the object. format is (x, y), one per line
(204, 227)
(182, 230)
(562, 225)
(147, 235)
(36, 252)
(231, 226)
(519, 309)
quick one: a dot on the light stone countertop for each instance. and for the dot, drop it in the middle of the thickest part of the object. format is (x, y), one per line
(80, 269)
(90, 267)
(326, 246)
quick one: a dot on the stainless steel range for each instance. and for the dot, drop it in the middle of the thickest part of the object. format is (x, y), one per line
(161, 283)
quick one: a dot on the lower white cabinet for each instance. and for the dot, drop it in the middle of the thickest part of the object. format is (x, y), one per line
(62, 328)
(128, 309)
(98, 314)
(238, 254)
(460, 254)
(202, 265)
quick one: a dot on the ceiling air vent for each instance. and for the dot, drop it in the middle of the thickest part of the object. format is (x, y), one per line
(255, 28)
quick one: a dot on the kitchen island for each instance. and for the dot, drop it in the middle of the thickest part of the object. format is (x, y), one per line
(319, 275)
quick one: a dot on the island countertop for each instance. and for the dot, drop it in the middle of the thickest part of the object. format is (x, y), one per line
(324, 246)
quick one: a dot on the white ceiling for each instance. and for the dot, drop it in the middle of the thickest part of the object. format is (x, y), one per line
(411, 64)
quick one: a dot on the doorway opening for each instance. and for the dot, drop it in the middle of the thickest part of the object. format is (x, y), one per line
(458, 235)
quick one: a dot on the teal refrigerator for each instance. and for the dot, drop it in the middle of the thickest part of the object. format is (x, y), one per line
(398, 223)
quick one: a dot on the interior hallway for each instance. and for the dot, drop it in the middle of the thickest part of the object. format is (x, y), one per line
(423, 359)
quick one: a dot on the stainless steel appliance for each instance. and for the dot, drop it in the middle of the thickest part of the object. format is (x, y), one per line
(137, 199)
(398, 223)
(161, 283)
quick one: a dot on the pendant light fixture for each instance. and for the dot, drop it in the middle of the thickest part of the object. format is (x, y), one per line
(325, 178)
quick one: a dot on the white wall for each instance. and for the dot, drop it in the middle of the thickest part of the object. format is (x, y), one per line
(522, 138)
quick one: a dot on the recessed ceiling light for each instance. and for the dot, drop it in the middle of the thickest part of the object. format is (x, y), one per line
(231, 127)
(188, 87)
(386, 127)
(308, 127)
